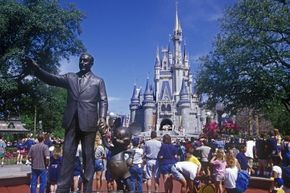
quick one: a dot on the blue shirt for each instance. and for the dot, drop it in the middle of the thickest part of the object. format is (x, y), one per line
(168, 153)
(243, 160)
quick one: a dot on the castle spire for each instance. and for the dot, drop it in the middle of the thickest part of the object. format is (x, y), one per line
(157, 59)
(135, 96)
(177, 23)
(147, 89)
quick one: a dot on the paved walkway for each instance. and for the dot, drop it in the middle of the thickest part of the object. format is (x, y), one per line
(9, 171)
(13, 171)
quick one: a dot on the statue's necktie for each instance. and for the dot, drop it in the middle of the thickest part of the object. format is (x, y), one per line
(81, 82)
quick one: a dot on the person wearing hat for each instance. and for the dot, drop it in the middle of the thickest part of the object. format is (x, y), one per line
(278, 185)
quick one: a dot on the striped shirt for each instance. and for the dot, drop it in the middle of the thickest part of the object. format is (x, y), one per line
(38, 154)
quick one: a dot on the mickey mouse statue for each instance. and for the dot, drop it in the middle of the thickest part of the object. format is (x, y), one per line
(121, 155)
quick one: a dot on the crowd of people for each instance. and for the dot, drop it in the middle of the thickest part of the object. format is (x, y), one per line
(191, 162)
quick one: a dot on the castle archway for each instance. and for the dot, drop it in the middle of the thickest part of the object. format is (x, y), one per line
(166, 125)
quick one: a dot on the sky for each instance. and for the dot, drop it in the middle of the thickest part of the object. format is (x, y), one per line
(123, 36)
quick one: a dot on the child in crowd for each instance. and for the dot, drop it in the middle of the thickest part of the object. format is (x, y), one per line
(231, 175)
(21, 151)
(190, 157)
(219, 166)
(136, 170)
(99, 163)
(54, 168)
(276, 171)
(278, 186)
(242, 158)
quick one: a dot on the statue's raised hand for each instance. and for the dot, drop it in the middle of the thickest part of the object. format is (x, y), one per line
(30, 63)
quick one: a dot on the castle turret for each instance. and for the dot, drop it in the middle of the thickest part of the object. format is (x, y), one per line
(135, 103)
(148, 106)
(184, 106)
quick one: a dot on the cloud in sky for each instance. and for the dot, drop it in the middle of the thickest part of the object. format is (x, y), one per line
(112, 98)
(71, 65)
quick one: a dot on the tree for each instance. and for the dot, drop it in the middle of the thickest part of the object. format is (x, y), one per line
(41, 29)
(250, 63)
(47, 105)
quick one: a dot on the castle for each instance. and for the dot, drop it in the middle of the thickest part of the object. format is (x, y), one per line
(171, 105)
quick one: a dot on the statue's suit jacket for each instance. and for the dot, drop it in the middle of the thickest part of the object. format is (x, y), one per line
(88, 101)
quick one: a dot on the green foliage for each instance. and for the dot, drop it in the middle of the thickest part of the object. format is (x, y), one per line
(278, 116)
(249, 66)
(49, 108)
(58, 133)
(41, 29)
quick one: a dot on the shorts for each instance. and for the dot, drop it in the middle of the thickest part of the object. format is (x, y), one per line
(151, 169)
(165, 168)
(22, 151)
(99, 165)
(177, 174)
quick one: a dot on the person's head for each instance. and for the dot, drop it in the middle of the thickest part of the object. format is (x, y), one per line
(40, 137)
(153, 134)
(231, 153)
(86, 62)
(135, 141)
(243, 148)
(166, 139)
(189, 152)
(231, 162)
(271, 133)
(279, 182)
(46, 135)
(98, 140)
(56, 152)
(220, 154)
(276, 131)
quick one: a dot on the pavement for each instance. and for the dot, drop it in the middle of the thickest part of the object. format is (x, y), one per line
(10, 174)
(10, 171)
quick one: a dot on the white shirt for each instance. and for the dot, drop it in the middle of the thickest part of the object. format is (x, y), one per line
(138, 157)
(278, 170)
(187, 168)
(231, 175)
(250, 145)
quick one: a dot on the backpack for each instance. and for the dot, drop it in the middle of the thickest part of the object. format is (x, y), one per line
(242, 181)
(286, 175)
(286, 155)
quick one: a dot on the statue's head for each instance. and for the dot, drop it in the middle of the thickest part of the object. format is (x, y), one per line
(86, 62)
(121, 137)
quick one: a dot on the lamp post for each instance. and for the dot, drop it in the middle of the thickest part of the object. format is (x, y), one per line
(219, 107)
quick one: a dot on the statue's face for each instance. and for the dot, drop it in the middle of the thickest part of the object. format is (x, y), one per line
(85, 63)
(121, 137)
